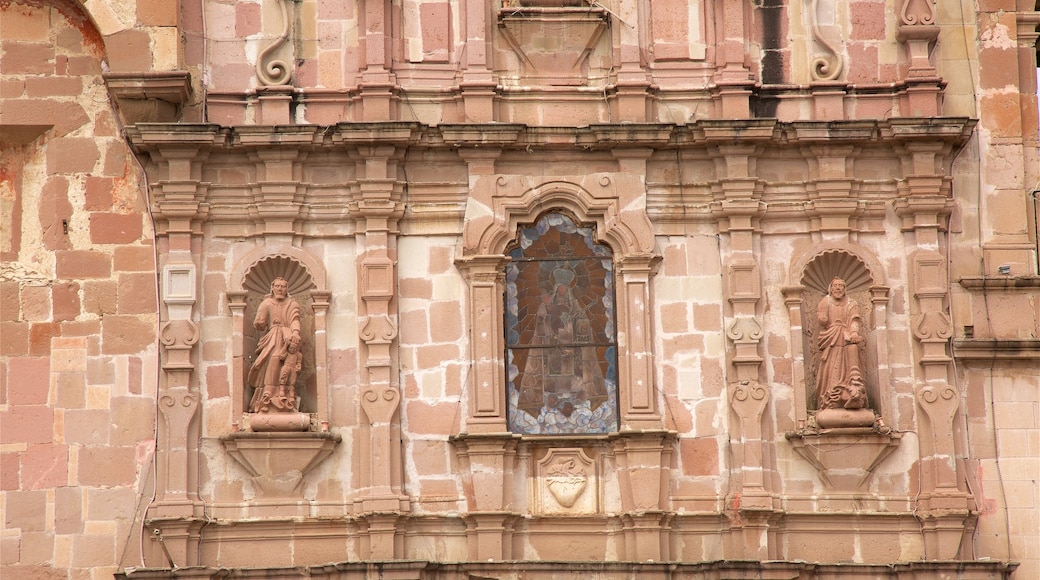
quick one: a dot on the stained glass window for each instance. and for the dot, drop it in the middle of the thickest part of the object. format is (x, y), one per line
(561, 345)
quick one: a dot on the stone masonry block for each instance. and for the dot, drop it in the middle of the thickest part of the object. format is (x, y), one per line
(136, 294)
(674, 317)
(55, 213)
(126, 334)
(43, 87)
(435, 419)
(445, 321)
(27, 424)
(10, 471)
(40, 336)
(100, 297)
(16, 338)
(72, 155)
(72, 264)
(114, 228)
(69, 389)
(45, 466)
(129, 51)
(26, 510)
(134, 259)
(115, 159)
(29, 380)
(68, 510)
(98, 193)
(156, 13)
(103, 465)
(247, 19)
(26, 26)
(10, 302)
(65, 116)
(27, 57)
(87, 426)
(35, 304)
(700, 456)
(868, 20)
(132, 421)
(65, 301)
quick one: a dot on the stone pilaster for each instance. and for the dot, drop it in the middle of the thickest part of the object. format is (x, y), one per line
(378, 209)
(377, 82)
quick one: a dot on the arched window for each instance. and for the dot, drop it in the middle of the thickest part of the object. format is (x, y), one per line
(561, 342)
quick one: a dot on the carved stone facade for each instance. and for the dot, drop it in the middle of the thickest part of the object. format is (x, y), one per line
(265, 309)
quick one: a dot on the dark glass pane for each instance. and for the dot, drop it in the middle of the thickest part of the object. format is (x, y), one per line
(560, 340)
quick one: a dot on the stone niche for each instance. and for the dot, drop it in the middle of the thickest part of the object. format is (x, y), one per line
(839, 323)
(281, 429)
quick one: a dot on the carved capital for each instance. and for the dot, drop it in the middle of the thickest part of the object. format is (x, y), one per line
(940, 402)
(748, 399)
(933, 327)
(178, 336)
(378, 329)
(379, 405)
(745, 330)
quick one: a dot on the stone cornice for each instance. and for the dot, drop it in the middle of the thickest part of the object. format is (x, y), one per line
(767, 132)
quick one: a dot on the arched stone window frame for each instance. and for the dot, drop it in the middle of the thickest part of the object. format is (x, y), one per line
(312, 287)
(489, 230)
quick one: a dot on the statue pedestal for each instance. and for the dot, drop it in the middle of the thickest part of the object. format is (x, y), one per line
(840, 418)
(845, 457)
(278, 461)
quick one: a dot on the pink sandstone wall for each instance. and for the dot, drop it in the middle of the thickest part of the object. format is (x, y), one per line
(78, 306)
(94, 459)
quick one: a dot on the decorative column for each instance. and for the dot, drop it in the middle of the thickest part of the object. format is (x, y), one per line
(488, 467)
(478, 81)
(486, 277)
(749, 498)
(942, 507)
(632, 83)
(172, 516)
(643, 460)
(378, 210)
(732, 78)
(919, 31)
(377, 81)
(832, 204)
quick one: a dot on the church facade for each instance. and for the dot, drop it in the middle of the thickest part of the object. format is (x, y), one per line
(466, 289)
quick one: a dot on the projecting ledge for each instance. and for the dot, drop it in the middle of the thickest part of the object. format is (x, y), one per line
(845, 457)
(279, 461)
(988, 349)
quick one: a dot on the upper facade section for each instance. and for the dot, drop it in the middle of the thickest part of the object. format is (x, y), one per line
(560, 62)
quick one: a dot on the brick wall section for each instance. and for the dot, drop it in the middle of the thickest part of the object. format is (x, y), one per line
(77, 296)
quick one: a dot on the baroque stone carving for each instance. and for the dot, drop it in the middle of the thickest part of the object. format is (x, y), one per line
(566, 483)
(837, 385)
(275, 72)
(824, 67)
(278, 358)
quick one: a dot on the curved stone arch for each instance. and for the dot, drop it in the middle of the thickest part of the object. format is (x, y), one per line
(819, 253)
(626, 233)
(313, 269)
